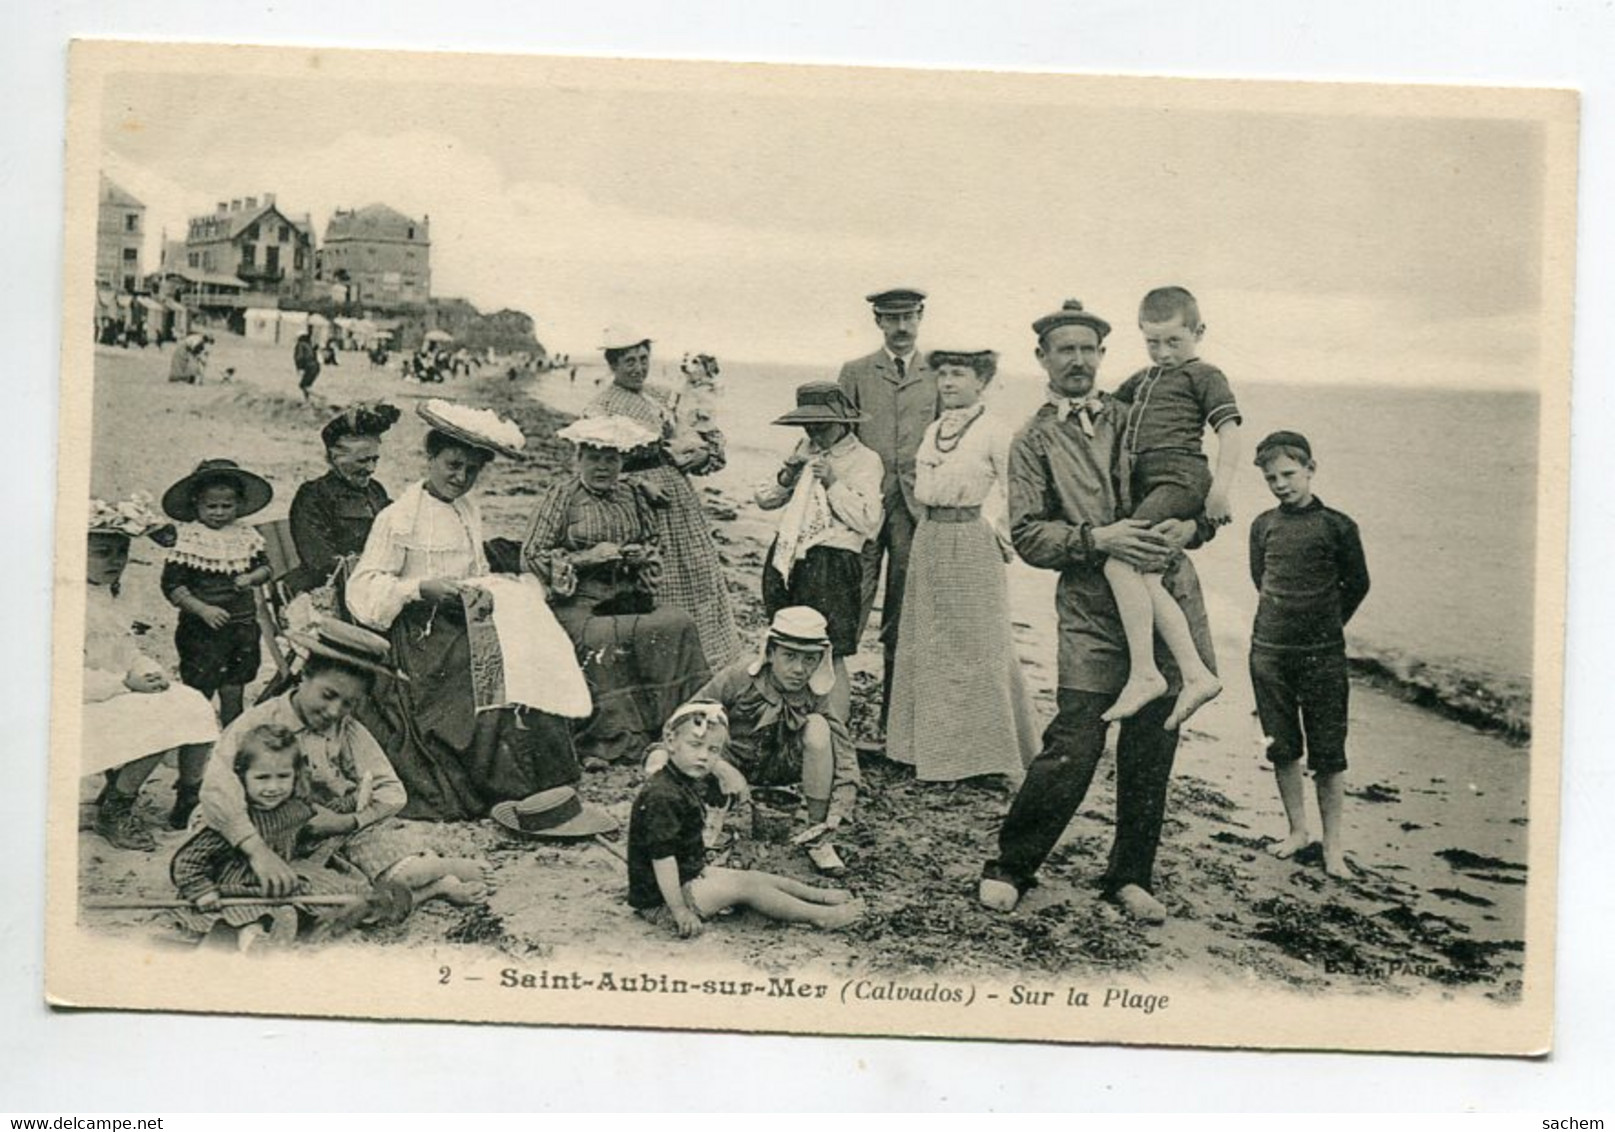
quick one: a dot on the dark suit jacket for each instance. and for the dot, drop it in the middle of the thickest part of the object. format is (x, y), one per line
(898, 413)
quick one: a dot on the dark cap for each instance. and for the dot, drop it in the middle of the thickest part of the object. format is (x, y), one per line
(1283, 439)
(899, 300)
(1071, 314)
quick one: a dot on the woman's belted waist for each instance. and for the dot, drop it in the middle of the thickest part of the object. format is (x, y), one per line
(953, 514)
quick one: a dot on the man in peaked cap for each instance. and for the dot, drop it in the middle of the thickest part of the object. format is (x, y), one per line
(895, 392)
(1063, 517)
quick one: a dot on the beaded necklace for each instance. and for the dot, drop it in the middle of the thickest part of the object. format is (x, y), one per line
(947, 442)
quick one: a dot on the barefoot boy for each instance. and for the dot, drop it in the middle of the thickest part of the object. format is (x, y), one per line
(669, 881)
(1308, 566)
(1165, 476)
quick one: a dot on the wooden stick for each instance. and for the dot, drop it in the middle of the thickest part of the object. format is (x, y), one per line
(144, 904)
(610, 847)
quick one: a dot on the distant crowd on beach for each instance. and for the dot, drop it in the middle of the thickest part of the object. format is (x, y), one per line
(426, 673)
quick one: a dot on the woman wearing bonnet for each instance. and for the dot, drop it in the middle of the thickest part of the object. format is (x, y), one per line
(134, 711)
(331, 515)
(594, 544)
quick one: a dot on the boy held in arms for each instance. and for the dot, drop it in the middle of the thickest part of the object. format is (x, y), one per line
(1164, 475)
(669, 880)
(1308, 565)
(783, 730)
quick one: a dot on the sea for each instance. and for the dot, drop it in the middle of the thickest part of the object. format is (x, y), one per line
(1442, 484)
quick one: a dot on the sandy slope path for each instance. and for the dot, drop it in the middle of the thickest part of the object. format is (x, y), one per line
(916, 850)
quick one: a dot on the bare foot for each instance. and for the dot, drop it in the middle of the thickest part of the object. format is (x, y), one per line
(1140, 905)
(454, 890)
(829, 896)
(1334, 864)
(998, 895)
(837, 916)
(466, 868)
(1193, 697)
(1291, 845)
(1138, 694)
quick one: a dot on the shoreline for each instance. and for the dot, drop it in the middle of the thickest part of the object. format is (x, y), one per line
(1412, 920)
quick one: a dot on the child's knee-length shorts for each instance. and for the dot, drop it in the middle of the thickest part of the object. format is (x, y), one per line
(1301, 699)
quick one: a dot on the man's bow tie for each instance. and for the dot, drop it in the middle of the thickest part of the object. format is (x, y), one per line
(1086, 409)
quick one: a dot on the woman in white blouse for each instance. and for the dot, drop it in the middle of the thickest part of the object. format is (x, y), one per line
(959, 703)
(448, 728)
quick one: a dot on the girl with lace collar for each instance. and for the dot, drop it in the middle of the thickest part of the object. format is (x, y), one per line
(212, 569)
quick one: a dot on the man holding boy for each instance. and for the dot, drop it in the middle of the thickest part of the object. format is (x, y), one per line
(895, 392)
(1062, 512)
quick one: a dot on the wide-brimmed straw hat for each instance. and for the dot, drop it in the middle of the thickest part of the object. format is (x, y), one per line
(347, 644)
(623, 338)
(613, 431)
(130, 518)
(476, 428)
(821, 402)
(801, 627)
(179, 501)
(558, 812)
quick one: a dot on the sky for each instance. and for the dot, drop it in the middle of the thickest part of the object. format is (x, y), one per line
(747, 214)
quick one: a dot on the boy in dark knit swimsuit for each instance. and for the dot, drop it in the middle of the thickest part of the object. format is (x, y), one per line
(1164, 474)
(1308, 565)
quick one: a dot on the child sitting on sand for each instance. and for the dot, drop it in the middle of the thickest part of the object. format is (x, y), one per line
(208, 868)
(212, 569)
(784, 731)
(1307, 562)
(1165, 476)
(669, 881)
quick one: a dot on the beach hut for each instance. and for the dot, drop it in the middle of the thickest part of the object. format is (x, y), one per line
(321, 327)
(263, 324)
(180, 318)
(152, 316)
(292, 325)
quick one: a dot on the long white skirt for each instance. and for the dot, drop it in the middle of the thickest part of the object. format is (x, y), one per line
(136, 724)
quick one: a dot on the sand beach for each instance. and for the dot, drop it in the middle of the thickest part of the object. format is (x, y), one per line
(1437, 809)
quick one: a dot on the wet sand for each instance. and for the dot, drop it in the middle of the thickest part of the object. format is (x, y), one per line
(1436, 811)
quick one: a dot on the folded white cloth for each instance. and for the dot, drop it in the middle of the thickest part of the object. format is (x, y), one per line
(540, 662)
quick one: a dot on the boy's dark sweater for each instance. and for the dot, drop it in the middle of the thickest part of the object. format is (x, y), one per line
(1309, 569)
(667, 821)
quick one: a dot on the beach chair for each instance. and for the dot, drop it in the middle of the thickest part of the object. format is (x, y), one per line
(273, 597)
